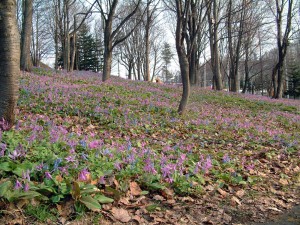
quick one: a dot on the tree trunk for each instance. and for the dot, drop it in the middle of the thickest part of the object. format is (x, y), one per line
(147, 43)
(25, 61)
(182, 56)
(10, 60)
(107, 51)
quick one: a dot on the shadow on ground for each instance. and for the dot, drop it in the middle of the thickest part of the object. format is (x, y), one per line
(292, 217)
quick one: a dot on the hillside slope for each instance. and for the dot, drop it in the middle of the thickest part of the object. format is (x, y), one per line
(120, 148)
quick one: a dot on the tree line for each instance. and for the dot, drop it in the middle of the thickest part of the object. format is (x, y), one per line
(224, 40)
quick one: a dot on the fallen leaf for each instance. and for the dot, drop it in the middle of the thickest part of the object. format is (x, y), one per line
(187, 199)
(135, 189)
(158, 198)
(235, 200)
(283, 182)
(59, 178)
(274, 209)
(240, 193)
(167, 193)
(223, 193)
(121, 214)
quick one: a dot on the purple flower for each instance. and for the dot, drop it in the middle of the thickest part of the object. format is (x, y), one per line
(226, 158)
(118, 165)
(26, 175)
(2, 148)
(70, 158)
(14, 155)
(64, 170)
(39, 167)
(48, 175)
(149, 166)
(207, 164)
(18, 185)
(26, 187)
(84, 175)
(102, 180)
(95, 144)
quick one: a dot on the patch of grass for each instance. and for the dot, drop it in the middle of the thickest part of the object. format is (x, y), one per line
(41, 213)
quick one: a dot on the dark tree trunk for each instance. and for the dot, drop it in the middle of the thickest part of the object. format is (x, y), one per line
(10, 60)
(25, 62)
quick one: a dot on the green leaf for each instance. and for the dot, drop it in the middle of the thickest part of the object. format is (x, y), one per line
(26, 195)
(103, 199)
(87, 189)
(4, 187)
(5, 166)
(90, 203)
(56, 198)
(144, 192)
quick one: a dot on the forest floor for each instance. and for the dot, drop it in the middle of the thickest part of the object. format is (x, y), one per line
(87, 152)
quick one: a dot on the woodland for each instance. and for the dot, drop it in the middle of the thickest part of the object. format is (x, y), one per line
(149, 112)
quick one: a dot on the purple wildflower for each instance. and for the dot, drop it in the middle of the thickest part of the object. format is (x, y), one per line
(226, 158)
(70, 158)
(207, 164)
(102, 180)
(48, 175)
(39, 167)
(26, 175)
(84, 175)
(18, 185)
(64, 170)
(2, 149)
(118, 165)
(26, 187)
(95, 144)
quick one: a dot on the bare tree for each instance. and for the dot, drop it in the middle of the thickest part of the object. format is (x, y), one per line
(213, 8)
(26, 62)
(10, 61)
(111, 37)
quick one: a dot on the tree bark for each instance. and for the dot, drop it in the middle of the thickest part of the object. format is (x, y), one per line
(10, 60)
(25, 61)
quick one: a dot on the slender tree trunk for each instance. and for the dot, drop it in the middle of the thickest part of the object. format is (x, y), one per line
(182, 56)
(147, 44)
(25, 62)
(107, 53)
(10, 60)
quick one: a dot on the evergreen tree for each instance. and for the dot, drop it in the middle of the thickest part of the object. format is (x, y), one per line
(167, 55)
(293, 82)
(87, 50)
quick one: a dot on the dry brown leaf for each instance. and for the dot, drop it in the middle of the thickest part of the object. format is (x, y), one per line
(283, 182)
(59, 178)
(274, 209)
(223, 193)
(125, 201)
(209, 188)
(135, 189)
(167, 193)
(158, 198)
(187, 199)
(137, 218)
(235, 200)
(240, 193)
(121, 215)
